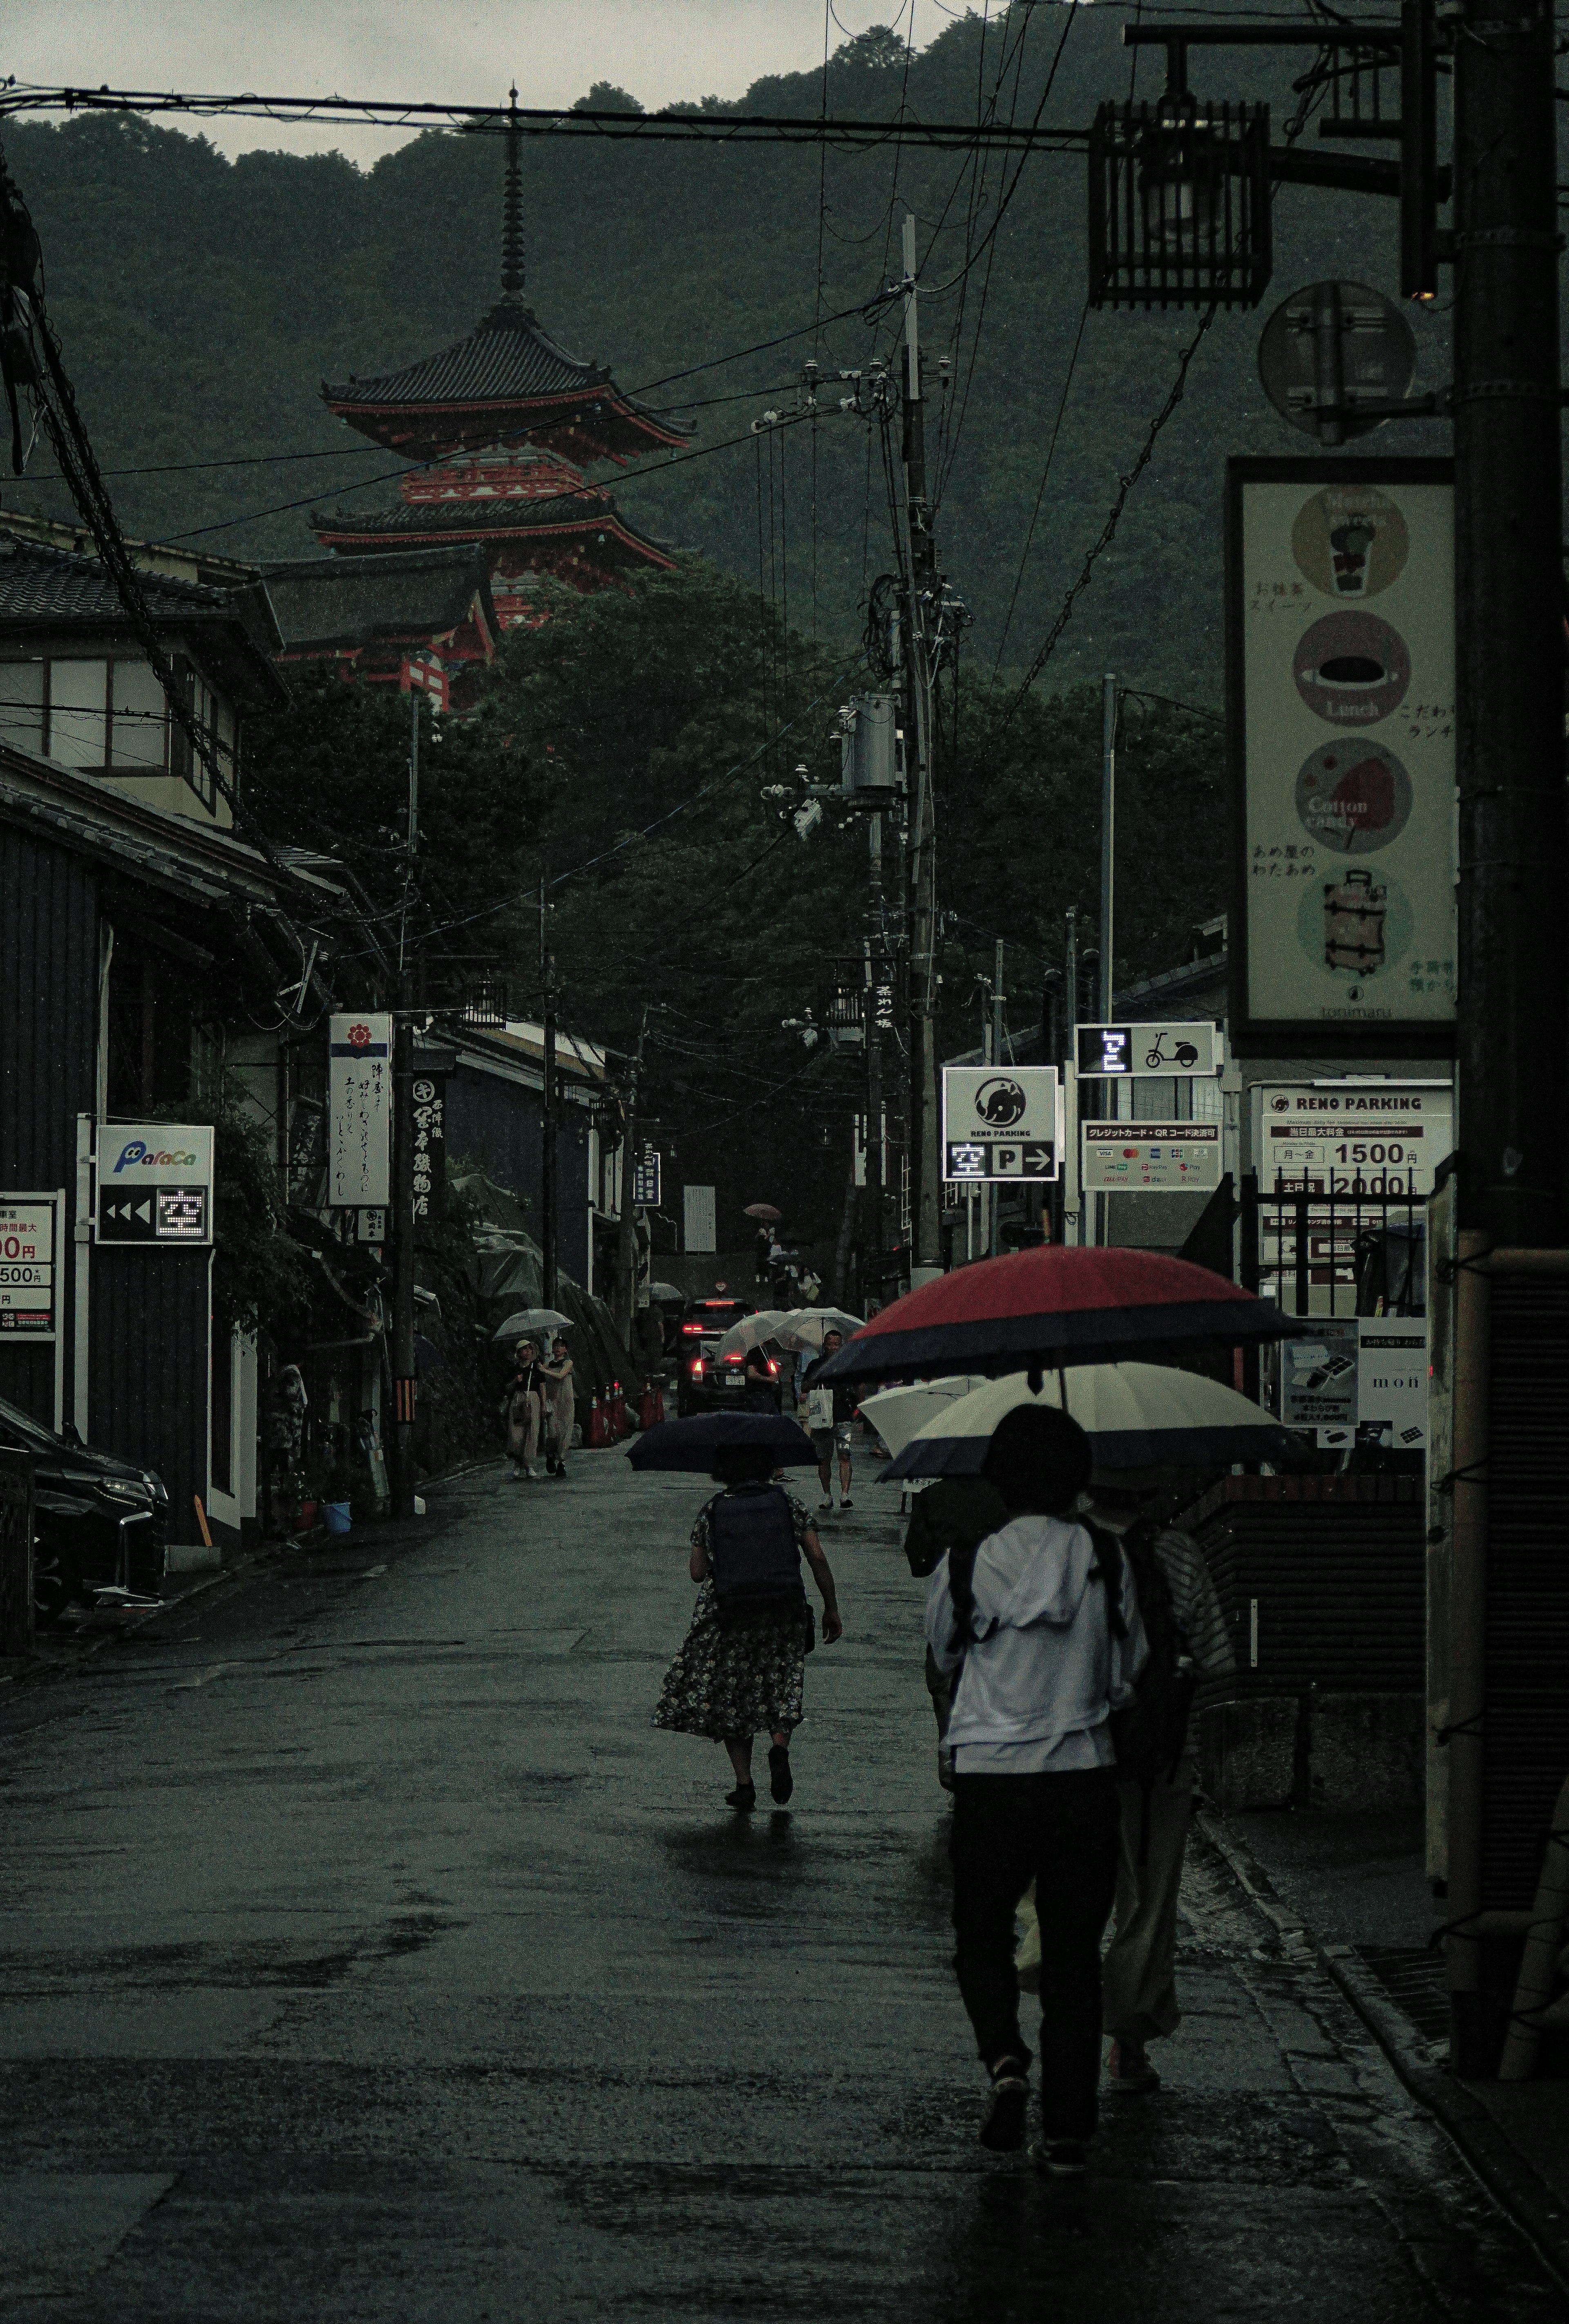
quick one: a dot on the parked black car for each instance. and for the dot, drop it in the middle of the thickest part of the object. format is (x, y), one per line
(705, 1382)
(97, 1519)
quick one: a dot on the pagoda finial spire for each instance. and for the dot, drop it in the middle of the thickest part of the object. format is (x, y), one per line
(513, 209)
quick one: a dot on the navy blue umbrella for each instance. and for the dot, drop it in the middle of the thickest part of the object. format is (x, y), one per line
(692, 1443)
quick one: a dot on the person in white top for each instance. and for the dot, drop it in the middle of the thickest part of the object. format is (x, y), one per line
(1039, 1661)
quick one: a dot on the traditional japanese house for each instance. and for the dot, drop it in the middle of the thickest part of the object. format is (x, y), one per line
(503, 424)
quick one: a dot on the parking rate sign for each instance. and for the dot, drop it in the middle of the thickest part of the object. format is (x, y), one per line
(999, 1123)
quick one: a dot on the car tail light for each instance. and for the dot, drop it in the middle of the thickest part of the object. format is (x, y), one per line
(696, 1367)
(691, 1327)
(773, 1369)
(734, 1360)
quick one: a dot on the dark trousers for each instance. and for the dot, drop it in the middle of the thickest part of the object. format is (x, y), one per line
(1061, 1831)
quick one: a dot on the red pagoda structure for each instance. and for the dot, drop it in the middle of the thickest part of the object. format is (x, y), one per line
(502, 421)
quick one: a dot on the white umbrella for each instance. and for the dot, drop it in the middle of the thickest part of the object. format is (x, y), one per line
(793, 1328)
(896, 1413)
(530, 1321)
(750, 1332)
(1137, 1416)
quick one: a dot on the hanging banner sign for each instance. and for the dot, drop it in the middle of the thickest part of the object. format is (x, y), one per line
(1385, 1137)
(1151, 1157)
(645, 1180)
(359, 1111)
(155, 1182)
(999, 1122)
(29, 1242)
(1340, 675)
(429, 1094)
(1163, 1052)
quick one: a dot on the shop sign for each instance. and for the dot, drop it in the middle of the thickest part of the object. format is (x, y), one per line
(155, 1182)
(430, 1094)
(1151, 1157)
(1359, 1379)
(1339, 627)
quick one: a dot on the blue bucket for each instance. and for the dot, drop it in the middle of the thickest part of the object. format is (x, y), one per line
(336, 1517)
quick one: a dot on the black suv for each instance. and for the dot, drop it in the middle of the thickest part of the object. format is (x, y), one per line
(705, 1382)
(97, 1519)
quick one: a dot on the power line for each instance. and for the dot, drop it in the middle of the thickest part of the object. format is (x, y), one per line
(1041, 488)
(1108, 530)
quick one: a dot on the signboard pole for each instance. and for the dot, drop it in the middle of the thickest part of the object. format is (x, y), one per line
(403, 1225)
(81, 1273)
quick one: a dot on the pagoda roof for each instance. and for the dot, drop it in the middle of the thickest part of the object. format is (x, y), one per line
(566, 517)
(508, 382)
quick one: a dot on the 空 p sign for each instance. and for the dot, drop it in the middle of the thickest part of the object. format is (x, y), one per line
(999, 1122)
(154, 1183)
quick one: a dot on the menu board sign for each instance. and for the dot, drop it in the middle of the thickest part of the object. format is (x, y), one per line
(1340, 630)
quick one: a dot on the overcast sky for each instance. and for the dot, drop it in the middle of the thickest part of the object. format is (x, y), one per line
(452, 51)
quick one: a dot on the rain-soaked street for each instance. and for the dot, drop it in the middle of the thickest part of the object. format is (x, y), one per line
(369, 1956)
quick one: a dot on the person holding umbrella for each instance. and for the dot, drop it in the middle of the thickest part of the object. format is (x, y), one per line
(561, 1405)
(832, 1413)
(1038, 1628)
(523, 1408)
(740, 1670)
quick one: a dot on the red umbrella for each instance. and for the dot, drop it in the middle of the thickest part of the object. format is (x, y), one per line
(1052, 1305)
(762, 1211)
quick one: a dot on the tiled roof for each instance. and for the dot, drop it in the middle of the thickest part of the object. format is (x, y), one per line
(507, 358)
(506, 518)
(354, 600)
(52, 585)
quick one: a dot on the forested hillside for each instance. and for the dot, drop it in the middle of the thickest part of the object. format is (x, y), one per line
(201, 302)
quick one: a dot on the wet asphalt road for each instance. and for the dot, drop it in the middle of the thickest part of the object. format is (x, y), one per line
(366, 1955)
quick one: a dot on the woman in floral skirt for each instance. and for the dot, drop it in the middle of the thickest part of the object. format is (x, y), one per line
(740, 1670)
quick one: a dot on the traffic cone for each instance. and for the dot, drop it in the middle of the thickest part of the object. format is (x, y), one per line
(617, 1416)
(646, 1402)
(597, 1438)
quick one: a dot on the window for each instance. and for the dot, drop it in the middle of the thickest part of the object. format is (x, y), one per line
(79, 712)
(104, 713)
(139, 716)
(22, 686)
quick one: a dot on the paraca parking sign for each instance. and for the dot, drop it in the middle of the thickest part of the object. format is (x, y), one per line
(155, 1181)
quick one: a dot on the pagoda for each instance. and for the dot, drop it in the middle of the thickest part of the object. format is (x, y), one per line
(500, 423)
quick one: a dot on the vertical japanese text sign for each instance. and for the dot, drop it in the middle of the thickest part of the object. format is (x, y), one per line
(1340, 673)
(429, 1145)
(359, 1111)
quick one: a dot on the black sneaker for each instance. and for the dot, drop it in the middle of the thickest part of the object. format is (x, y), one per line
(744, 1796)
(846, 1503)
(781, 1782)
(1003, 2128)
(1062, 2158)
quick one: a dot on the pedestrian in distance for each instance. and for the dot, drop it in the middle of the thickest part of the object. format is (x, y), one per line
(740, 1670)
(524, 1410)
(760, 1374)
(1189, 1642)
(1037, 1629)
(831, 1416)
(560, 1407)
(950, 1513)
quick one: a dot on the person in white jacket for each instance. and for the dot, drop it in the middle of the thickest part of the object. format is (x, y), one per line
(1039, 1661)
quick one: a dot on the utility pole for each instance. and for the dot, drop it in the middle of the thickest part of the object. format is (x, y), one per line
(626, 1237)
(925, 1163)
(1510, 858)
(402, 1219)
(875, 955)
(549, 1231)
(995, 1240)
(1509, 632)
(1108, 836)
